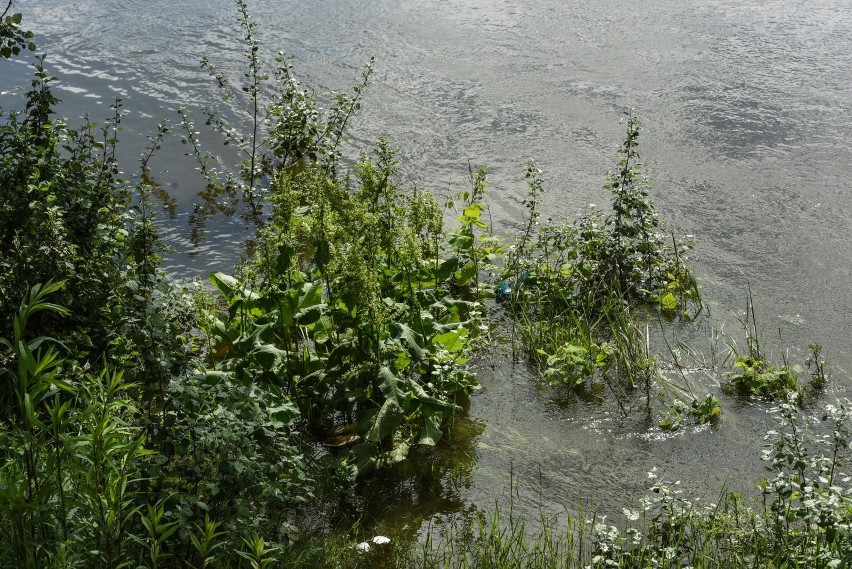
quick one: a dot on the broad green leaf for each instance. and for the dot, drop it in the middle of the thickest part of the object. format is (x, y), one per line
(322, 253)
(466, 274)
(446, 269)
(668, 302)
(310, 314)
(411, 341)
(231, 288)
(454, 341)
(362, 459)
(269, 357)
(390, 385)
(310, 295)
(430, 403)
(399, 452)
(473, 211)
(212, 378)
(389, 417)
(286, 412)
(431, 433)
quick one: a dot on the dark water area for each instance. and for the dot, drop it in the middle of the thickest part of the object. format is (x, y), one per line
(747, 112)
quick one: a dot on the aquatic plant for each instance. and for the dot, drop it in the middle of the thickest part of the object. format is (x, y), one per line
(804, 518)
(360, 308)
(288, 129)
(577, 290)
(705, 411)
(753, 375)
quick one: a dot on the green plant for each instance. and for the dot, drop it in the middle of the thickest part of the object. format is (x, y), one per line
(703, 411)
(753, 375)
(756, 377)
(62, 215)
(474, 246)
(257, 553)
(353, 310)
(70, 464)
(12, 38)
(208, 542)
(578, 291)
(811, 510)
(288, 129)
(157, 531)
(29, 374)
(817, 367)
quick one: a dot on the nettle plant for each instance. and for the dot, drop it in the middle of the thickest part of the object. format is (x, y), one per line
(577, 290)
(62, 212)
(359, 307)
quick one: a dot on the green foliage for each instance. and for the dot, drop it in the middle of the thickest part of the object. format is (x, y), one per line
(753, 375)
(68, 470)
(756, 377)
(12, 38)
(289, 130)
(809, 496)
(61, 213)
(354, 310)
(707, 411)
(472, 243)
(819, 377)
(145, 426)
(577, 290)
(803, 520)
(227, 449)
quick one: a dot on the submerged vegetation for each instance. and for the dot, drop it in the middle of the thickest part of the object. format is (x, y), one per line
(147, 424)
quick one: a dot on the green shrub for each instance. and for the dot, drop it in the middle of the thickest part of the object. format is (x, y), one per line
(62, 214)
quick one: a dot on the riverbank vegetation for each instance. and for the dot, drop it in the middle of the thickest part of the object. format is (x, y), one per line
(147, 423)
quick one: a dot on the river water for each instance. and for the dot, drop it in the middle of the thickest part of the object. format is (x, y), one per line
(746, 106)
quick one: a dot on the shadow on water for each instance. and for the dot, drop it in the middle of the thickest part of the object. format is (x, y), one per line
(399, 500)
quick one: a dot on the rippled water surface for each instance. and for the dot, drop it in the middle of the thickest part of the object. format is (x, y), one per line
(747, 107)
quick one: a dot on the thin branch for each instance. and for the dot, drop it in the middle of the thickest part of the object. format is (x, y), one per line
(6, 11)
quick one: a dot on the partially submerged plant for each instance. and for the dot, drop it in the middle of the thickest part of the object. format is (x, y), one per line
(757, 377)
(360, 308)
(753, 375)
(288, 129)
(703, 411)
(577, 290)
(816, 365)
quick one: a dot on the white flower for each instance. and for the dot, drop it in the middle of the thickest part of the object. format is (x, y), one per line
(363, 547)
(381, 540)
